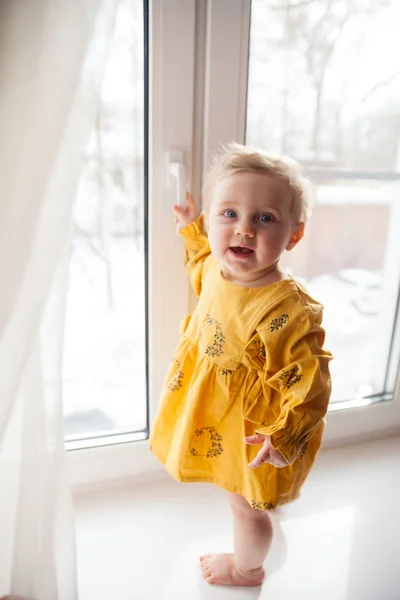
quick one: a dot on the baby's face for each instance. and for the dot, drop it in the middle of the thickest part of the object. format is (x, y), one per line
(250, 224)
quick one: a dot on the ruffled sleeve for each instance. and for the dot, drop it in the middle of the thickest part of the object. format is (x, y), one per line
(295, 379)
(197, 250)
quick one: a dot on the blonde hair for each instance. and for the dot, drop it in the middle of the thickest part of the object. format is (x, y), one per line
(235, 158)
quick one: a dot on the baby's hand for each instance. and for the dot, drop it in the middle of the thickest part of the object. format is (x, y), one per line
(267, 454)
(184, 215)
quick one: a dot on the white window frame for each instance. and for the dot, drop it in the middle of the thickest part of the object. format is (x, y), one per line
(198, 93)
(172, 41)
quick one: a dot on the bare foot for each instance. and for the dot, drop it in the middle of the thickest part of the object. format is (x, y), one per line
(221, 569)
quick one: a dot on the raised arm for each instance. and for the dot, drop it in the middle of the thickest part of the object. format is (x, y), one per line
(197, 249)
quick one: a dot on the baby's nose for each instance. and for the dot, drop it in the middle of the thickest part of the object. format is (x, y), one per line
(245, 230)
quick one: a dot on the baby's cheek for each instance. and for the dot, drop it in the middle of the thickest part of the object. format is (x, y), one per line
(216, 241)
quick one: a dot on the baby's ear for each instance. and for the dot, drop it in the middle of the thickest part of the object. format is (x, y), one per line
(296, 236)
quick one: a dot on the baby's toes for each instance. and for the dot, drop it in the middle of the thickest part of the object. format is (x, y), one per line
(206, 572)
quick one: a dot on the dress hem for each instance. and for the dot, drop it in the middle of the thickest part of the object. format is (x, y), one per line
(226, 486)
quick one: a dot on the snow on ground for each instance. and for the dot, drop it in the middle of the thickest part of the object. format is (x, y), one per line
(104, 365)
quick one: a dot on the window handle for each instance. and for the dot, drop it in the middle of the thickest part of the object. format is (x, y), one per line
(177, 171)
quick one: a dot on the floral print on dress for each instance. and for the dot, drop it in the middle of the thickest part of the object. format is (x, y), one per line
(290, 377)
(216, 349)
(303, 450)
(263, 505)
(210, 446)
(259, 346)
(303, 441)
(226, 372)
(176, 381)
(279, 322)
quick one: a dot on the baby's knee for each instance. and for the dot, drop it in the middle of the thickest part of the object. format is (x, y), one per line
(240, 507)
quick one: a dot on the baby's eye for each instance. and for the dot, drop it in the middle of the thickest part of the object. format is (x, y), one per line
(231, 214)
(265, 218)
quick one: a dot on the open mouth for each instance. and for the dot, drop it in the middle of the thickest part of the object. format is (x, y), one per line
(240, 252)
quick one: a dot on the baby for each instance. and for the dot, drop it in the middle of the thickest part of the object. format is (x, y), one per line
(247, 391)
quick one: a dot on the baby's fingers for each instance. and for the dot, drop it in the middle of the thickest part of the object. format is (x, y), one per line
(190, 200)
(189, 207)
(255, 439)
(277, 459)
(180, 211)
(260, 459)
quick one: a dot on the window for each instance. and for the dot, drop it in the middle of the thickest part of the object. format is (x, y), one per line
(105, 335)
(99, 454)
(324, 88)
(207, 52)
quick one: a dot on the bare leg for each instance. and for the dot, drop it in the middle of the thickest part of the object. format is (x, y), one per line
(252, 533)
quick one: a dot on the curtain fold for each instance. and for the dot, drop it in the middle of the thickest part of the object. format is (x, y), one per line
(52, 57)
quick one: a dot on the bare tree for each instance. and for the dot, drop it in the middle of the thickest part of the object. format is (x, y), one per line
(314, 27)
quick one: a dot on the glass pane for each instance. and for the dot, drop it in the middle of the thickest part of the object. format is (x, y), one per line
(105, 344)
(324, 88)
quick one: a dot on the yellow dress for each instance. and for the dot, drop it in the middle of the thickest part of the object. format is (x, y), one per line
(249, 360)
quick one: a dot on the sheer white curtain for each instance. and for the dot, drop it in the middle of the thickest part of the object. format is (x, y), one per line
(52, 55)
